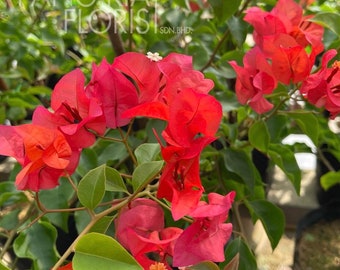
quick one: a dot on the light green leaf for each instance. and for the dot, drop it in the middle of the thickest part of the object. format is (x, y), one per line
(283, 157)
(102, 225)
(3, 267)
(259, 136)
(308, 123)
(38, 243)
(91, 187)
(330, 179)
(99, 251)
(145, 173)
(147, 152)
(330, 20)
(114, 181)
(272, 218)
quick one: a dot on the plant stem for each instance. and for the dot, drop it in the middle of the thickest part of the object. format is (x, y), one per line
(94, 219)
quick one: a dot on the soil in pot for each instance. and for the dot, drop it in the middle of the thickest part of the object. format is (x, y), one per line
(318, 242)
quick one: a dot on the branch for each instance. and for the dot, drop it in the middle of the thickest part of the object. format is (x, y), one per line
(114, 36)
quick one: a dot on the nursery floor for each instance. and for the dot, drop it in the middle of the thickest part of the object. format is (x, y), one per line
(295, 207)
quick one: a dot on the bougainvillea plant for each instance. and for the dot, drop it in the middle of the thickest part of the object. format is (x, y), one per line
(146, 162)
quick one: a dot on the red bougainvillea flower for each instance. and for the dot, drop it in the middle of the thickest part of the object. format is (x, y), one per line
(66, 267)
(140, 229)
(133, 217)
(180, 182)
(75, 114)
(192, 114)
(285, 18)
(43, 153)
(144, 73)
(290, 62)
(323, 87)
(206, 237)
(150, 73)
(298, 26)
(254, 80)
(158, 243)
(113, 91)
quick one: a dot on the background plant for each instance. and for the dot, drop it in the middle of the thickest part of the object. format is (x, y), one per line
(42, 40)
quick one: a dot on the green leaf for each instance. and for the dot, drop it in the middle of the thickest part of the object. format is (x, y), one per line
(38, 243)
(330, 179)
(272, 218)
(235, 247)
(91, 187)
(147, 152)
(88, 161)
(3, 267)
(238, 29)
(99, 251)
(10, 220)
(102, 225)
(259, 136)
(145, 173)
(58, 198)
(114, 181)
(10, 195)
(308, 123)
(234, 263)
(204, 266)
(239, 162)
(328, 19)
(283, 157)
(224, 9)
(39, 90)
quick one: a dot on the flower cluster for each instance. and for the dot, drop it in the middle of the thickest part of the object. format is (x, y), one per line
(146, 237)
(134, 85)
(287, 43)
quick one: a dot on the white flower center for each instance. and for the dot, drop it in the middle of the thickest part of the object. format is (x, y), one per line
(154, 56)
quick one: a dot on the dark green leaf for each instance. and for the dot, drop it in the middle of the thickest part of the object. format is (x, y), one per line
(10, 220)
(57, 198)
(283, 157)
(308, 123)
(145, 173)
(234, 263)
(239, 162)
(98, 251)
(224, 9)
(38, 243)
(91, 187)
(235, 247)
(272, 218)
(259, 136)
(88, 161)
(238, 30)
